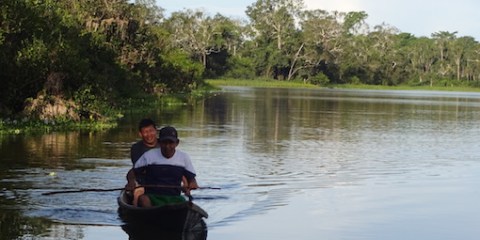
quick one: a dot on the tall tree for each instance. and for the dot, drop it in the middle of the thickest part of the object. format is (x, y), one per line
(460, 48)
(326, 36)
(273, 22)
(195, 32)
(382, 54)
(443, 40)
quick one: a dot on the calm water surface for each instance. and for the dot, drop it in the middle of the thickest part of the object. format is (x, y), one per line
(292, 164)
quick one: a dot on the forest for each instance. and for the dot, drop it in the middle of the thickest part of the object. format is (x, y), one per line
(75, 60)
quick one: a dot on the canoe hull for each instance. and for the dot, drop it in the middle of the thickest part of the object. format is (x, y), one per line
(178, 217)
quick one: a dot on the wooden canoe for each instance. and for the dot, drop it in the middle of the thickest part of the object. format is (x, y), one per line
(183, 217)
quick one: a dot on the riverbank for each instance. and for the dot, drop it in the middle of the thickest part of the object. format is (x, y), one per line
(298, 84)
(9, 126)
(166, 102)
(172, 101)
(267, 83)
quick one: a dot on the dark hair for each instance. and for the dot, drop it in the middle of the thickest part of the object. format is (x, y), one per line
(145, 123)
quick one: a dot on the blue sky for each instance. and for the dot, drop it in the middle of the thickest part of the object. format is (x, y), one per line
(419, 17)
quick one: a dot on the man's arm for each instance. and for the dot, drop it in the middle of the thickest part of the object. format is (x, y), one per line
(192, 183)
(189, 183)
(131, 183)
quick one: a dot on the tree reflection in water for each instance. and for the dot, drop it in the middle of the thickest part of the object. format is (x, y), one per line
(13, 225)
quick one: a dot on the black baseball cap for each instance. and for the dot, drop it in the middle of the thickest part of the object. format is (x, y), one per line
(168, 133)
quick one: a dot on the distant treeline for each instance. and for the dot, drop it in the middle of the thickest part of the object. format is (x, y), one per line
(76, 59)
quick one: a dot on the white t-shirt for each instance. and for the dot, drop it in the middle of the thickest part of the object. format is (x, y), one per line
(155, 157)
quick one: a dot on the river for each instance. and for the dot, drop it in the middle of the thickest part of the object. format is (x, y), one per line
(291, 164)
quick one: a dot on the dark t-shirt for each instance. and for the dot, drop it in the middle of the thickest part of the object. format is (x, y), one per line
(136, 151)
(165, 175)
(162, 171)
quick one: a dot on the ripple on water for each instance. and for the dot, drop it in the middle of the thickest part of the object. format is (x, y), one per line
(78, 215)
(87, 208)
(253, 194)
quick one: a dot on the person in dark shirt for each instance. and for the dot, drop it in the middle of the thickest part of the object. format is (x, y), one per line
(147, 130)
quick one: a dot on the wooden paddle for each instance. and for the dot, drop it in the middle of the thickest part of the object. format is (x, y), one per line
(118, 189)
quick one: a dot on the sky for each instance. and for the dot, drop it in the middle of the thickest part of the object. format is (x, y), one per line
(418, 17)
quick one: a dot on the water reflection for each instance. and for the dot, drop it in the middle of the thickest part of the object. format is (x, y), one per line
(277, 142)
(263, 148)
(14, 225)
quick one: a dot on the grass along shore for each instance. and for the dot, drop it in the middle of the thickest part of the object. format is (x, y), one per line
(299, 84)
(270, 83)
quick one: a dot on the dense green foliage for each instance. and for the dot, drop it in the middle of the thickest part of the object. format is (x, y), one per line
(80, 59)
(77, 60)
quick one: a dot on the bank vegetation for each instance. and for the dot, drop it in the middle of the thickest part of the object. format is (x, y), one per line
(85, 60)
